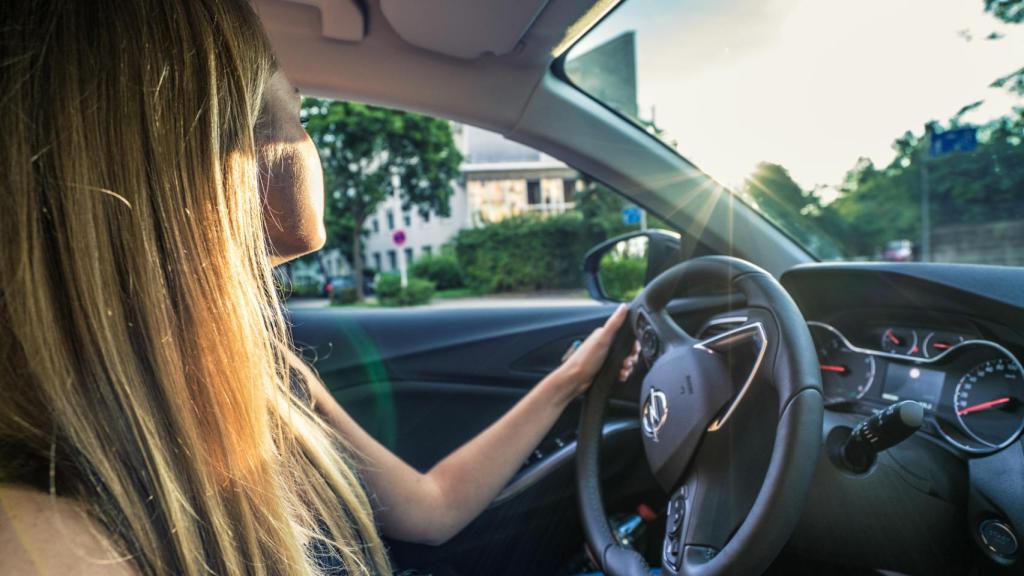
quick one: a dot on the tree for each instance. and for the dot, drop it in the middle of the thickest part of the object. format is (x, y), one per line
(1011, 12)
(370, 153)
(798, 212)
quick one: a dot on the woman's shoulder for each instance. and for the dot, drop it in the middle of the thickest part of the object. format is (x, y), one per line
(43, 534)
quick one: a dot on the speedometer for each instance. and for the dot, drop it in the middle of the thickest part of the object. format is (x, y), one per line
(988, 402)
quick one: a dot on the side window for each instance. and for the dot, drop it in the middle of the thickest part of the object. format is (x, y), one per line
(512, 222)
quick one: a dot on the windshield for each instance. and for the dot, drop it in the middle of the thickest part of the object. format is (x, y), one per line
(867, 130)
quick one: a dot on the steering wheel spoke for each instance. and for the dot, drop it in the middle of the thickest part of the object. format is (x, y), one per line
(753, 334)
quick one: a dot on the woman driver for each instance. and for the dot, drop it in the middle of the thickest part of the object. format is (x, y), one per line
(155, 170)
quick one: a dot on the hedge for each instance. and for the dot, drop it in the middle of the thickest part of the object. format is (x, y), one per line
(443, 270)
(524, 253)
(390, 292)
(622, 278)
(344, 296)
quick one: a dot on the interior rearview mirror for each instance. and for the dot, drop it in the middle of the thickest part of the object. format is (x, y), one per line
(617, 269)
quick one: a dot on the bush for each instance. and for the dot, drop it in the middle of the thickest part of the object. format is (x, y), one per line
(443, 270)
(622, 277)
(343, 296)
(390, 292)
(524, 253)
(304, 290)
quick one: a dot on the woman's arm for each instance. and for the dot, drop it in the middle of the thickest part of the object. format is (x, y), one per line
(431, 508)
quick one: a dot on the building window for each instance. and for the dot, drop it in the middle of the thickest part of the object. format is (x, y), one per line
(533, 191)
(426, 217)
(391, 220)
(407, 219)
(408, 256)
(568, 190)
(376, 225)
(428, 251)
(393, 260)
(376, 261)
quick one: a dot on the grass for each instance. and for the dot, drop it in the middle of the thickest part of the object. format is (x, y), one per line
(453, 293)
(369, 303)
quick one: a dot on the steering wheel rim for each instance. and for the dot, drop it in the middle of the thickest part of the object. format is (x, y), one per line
(681, 411)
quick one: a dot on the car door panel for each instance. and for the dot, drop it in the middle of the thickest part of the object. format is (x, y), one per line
(425, 381)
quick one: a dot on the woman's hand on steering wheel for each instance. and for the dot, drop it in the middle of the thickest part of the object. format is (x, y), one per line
(582, 364)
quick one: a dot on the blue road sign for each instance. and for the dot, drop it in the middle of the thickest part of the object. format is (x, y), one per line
(951, 141)
(631, 215)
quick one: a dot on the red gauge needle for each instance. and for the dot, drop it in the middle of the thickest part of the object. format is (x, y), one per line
(984, 405)
(941, 345)
(892, 337)
(833, 368)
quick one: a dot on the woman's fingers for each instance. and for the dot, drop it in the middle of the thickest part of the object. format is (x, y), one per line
(629, 363)
(614, 322)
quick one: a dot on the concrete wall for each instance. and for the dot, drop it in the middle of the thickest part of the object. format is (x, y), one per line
(994, 243)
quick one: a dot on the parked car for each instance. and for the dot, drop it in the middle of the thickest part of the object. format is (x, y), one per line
(898, 251)
(335, 283)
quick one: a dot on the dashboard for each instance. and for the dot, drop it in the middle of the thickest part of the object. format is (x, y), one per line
(949, 499)
(972, 389)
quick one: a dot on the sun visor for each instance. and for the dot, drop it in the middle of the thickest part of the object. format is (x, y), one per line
(464, 29)
(339, 19)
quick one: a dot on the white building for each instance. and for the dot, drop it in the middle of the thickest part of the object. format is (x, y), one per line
(424, 236)
(500, 178)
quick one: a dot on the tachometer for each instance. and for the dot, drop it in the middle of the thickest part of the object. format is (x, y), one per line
(988, 402)
(901, 341)
(846, 375)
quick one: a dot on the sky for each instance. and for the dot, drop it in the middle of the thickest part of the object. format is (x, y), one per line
(809, 84)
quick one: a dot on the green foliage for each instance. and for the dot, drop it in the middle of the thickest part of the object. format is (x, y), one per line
(774, 192)
(524, 253)
(344, 296)
(881, 204)
(602, 212)
(443, 270)
(622, 277)
(370, 153)
(390, 292)
(1011, 12)
(304, 290)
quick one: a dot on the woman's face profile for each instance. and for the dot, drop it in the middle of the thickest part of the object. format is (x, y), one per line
(291, 176)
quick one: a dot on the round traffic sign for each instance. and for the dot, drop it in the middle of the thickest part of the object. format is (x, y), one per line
(398, 237)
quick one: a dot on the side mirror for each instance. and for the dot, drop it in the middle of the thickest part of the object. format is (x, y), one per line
(617, 269)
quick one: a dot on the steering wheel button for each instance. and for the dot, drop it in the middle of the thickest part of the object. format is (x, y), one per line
(676, 512)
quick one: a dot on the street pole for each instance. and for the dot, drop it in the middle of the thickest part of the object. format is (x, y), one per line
(926, 233)
(403, 266)
(643, 219)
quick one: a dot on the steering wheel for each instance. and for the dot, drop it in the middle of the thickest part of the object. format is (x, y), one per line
(731, 426)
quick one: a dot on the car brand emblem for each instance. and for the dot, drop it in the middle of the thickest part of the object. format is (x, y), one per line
(655, 413)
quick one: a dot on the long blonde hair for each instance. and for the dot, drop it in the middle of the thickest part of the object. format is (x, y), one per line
(145, 367)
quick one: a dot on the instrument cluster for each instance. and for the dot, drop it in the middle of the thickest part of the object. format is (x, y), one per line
(972, 389)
